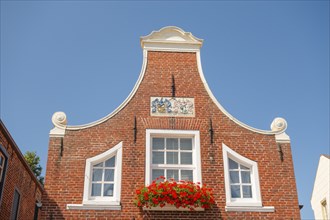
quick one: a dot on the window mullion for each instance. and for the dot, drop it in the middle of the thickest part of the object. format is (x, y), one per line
(179, 151)
(240, 180)
(165, 151)
(102, 183)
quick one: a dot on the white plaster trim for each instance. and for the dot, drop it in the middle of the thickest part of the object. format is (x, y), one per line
(171, 38)
(223, 110)
(57, 132)
(172, 208)
(108, 206)
(282, 138)
(255, 201)
(173, 133)
(171, 47)
(249, 209)
(114, 151)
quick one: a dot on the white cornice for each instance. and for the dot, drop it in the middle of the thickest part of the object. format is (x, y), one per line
(171, 38)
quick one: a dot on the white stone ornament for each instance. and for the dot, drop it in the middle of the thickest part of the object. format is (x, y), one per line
(59, 119)
(60, 123)
(279, 124)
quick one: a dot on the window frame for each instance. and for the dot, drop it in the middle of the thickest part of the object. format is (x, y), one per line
(4, 153)
(255, 201)
(196, 156)
(16, 205)
(111, 200)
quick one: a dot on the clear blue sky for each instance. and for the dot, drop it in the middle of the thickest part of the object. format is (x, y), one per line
(262, 59)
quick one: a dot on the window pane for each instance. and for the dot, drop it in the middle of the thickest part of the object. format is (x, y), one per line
(232, 164)
(186, 144)
(244, 167)
(186, 158)
(157, 173)
(245, 177)
(98, 165)
(15, 207)
(234, 176)
(108, 190)
(235, 191)
(96, 189)
(158, 143)
(172, 143)
(97, 175)
(187, 175)
(172, 174)
(158, 157)
(171, 157)
(110, 162)
(247, 192)
(109, 174)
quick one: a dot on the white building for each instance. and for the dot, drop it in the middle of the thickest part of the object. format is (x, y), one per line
(320, 195)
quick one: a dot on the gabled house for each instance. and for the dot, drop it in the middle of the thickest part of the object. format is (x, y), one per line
(170, 125)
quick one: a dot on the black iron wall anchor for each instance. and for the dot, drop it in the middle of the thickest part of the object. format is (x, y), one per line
(279, 148)
(61, 147)
(173, 86)
(211, 131)
(134, 130)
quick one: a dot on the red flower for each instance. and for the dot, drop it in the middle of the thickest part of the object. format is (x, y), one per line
(184, 194)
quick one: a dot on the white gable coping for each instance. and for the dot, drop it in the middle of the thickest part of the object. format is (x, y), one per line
(171, 38)
(174, 39)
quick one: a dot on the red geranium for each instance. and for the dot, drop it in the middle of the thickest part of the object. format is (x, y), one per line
(184, 194)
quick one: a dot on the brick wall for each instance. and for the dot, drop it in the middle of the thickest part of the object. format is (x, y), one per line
(65, 174)
(17, 176)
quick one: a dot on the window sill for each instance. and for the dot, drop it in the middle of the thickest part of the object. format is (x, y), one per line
(172, 208)
(93, 206)
(250, 209)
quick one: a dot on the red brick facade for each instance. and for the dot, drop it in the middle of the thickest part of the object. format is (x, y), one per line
(67, 154)
(18, 176)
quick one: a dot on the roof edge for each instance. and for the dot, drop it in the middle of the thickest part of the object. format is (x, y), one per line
(278, 126)
(168, 39)
(59, 118)
(20, 155)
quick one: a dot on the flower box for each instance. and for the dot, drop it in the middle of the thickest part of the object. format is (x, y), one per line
(170, 195)
(168, 207)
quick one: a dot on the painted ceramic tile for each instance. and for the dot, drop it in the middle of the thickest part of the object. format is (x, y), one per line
(168, 106)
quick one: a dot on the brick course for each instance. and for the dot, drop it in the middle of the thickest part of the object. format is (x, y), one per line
(65, 174)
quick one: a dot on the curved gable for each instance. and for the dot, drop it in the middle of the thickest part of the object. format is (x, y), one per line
(169, 39)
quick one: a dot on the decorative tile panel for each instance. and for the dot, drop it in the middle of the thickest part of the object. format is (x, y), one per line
(172, 106)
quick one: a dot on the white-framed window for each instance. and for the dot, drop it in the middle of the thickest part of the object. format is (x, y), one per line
(174, 154)
(242, 183)
(102, 186)
(103, 177)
